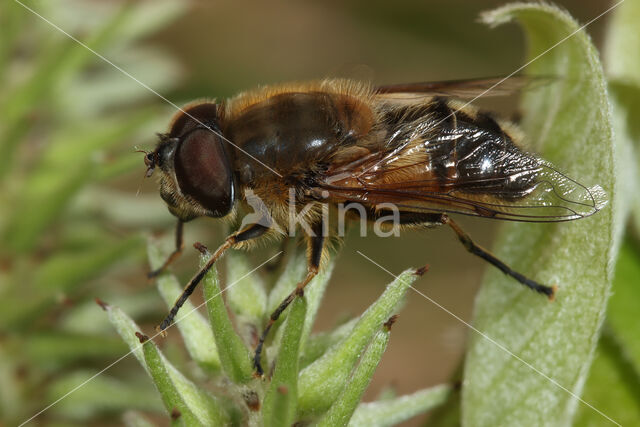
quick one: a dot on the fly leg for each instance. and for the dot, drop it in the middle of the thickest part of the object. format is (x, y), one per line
(250, 232)
(315, 246)
(174, 255)
(469, 244)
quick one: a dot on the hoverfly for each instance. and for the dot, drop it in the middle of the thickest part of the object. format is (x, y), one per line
(416, 146)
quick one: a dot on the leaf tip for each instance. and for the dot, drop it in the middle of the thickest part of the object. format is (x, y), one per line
(494, 17)
(201, 248)
(175, 414)
(506, 13)
(103, 305)
(389, 323)
(142, 337)
(420, 271)
(252, 400)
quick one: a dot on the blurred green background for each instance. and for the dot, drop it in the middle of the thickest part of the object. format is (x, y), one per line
(75, 210)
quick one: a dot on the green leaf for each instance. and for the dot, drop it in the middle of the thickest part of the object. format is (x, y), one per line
(136, 419)
(321, 382)
(103, 394)
(65, 271)
(58, 275)
(198, 337)
(62, 61)
(171, 397)
(279, 407)
(314, 292)
(622, 44)
(206, 408)
(82, 319)
(234, 356)
(625, 104)
(622, 313)
(293, 273)
(127, 329)
(125, 209)
(12, 17)
(343, 408)
(318, 344)
(145, 19)
(246, 297)
(53, 184)
(622, 62)
(52, 350)
(390, 412)
(98, 94)
(11, 388)
(569, 121)
(613, 387)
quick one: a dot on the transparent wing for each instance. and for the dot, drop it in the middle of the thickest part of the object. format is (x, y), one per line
(464, 89)
(525, 188)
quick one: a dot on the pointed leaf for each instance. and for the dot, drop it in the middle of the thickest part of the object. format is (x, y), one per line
(61, 61)
(293, 273)
(67, 270)
(101, 395)
(136, 419)
(318, 344)
(198, 337)
(82, 319)
(343, 408)
(321, 382)
(206, 408)
(314, 293)
(53, 350)
(247, 297)
(58, 275)
(279, 407)
(127, 329)
(54, 183)
(394, 411)
(171, 397)
(234, 356)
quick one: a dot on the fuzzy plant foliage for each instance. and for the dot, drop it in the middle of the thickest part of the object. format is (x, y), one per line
(67, 122)
(613, 385)
(316, 378)
(532, 358)
(67, 125)
(531, 361)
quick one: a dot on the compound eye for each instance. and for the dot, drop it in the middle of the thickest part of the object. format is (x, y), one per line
(204, 172)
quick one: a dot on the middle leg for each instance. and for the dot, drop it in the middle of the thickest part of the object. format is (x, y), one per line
(315, 246)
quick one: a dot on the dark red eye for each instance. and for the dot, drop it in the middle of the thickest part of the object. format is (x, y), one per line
(204, 172)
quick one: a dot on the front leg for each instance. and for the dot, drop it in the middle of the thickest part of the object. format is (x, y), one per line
(315, 247)
(250, 232)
